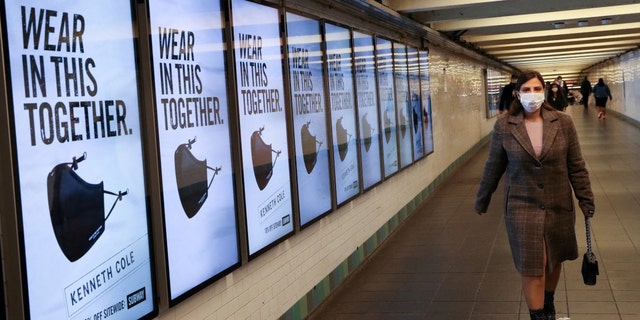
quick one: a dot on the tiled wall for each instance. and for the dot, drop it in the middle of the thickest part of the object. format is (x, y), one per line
(296, 275)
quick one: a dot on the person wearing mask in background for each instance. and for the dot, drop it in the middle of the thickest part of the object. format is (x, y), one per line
(507, 95)
(556, 99)
(563, 86)
(537, 149)
(601, 92)
(585, 91)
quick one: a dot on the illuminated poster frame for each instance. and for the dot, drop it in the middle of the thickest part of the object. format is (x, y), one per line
(403, 116)
(387, 106)
(415, 101)
(76, 129)
(368, 117)
(258, 53)
(198, 193)
(494, 83)
(343, 112)
(425, 95)
(311, 137)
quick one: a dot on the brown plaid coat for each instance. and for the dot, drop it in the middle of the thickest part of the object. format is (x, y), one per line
(538, 191)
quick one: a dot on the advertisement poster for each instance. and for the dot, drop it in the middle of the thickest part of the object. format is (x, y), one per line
(193, 133)
(384, 67)
(343, 112)
(415, 103)
(367, 99)
(426, 101)
(494, 82)
(304, 45)
(402, 103)
(75, 107)
(263, 131)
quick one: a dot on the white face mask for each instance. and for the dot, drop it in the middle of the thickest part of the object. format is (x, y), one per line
(554, 89)
(531, 101)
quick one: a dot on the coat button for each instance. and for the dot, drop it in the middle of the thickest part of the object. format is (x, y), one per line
(538, 165)
(542, 207)
(541, 186)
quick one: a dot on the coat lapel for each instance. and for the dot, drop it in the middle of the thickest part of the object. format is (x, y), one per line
(520, 133)
(549, 131)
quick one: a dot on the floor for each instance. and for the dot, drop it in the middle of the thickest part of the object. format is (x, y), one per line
(446, 262)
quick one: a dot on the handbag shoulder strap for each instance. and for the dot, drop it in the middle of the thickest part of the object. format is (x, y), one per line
(587, 223)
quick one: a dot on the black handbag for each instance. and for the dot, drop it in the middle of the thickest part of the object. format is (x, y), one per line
(589, 261)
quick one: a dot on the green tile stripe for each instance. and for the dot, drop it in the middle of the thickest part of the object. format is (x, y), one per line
(321, 291)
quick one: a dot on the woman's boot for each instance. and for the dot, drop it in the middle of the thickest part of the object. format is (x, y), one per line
(537, 314)
(549, 307)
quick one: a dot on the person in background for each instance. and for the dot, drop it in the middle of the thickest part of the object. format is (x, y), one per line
(585, 91)
(556, 99)
(507, 95)
(563, 86)
(537, 149)
(601, 92)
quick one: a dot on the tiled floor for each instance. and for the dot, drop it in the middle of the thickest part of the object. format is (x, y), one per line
(445, 262)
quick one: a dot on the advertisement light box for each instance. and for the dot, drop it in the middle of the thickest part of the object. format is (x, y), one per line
(306, 75)
(263, 131)
(426, 101)
(415, 103)
(387, 106)
(193, 134)
(368, 119)
(402, 103)
(343, 112)
(77, 135)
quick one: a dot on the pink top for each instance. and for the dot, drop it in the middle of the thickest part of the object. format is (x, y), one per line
(534, 129)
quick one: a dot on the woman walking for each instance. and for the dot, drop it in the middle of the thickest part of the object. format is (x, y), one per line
(556, 98)
(601, 92)
(537, 149)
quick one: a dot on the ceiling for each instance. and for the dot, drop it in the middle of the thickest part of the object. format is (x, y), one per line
(554, 37)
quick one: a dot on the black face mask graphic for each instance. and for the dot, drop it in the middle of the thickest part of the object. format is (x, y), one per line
(77, 209)
(367, 131)
(262, 156)
(191, 177)
(343, 139)
(387, 126)
(309, 148)
(403, 123)
(415, 106)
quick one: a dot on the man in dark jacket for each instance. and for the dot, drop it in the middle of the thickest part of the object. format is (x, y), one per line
(585, 91)
(507, 95)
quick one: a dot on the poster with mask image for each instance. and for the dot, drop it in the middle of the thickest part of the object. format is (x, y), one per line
(193, 133)
(367, 98)
(415, 103)
(304, 43)
(76, 116)
(387, 105)
(263, 123)
(343, 112)
(402, 103)
(425, 97)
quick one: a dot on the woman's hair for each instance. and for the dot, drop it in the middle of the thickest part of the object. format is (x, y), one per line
(516, 107)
